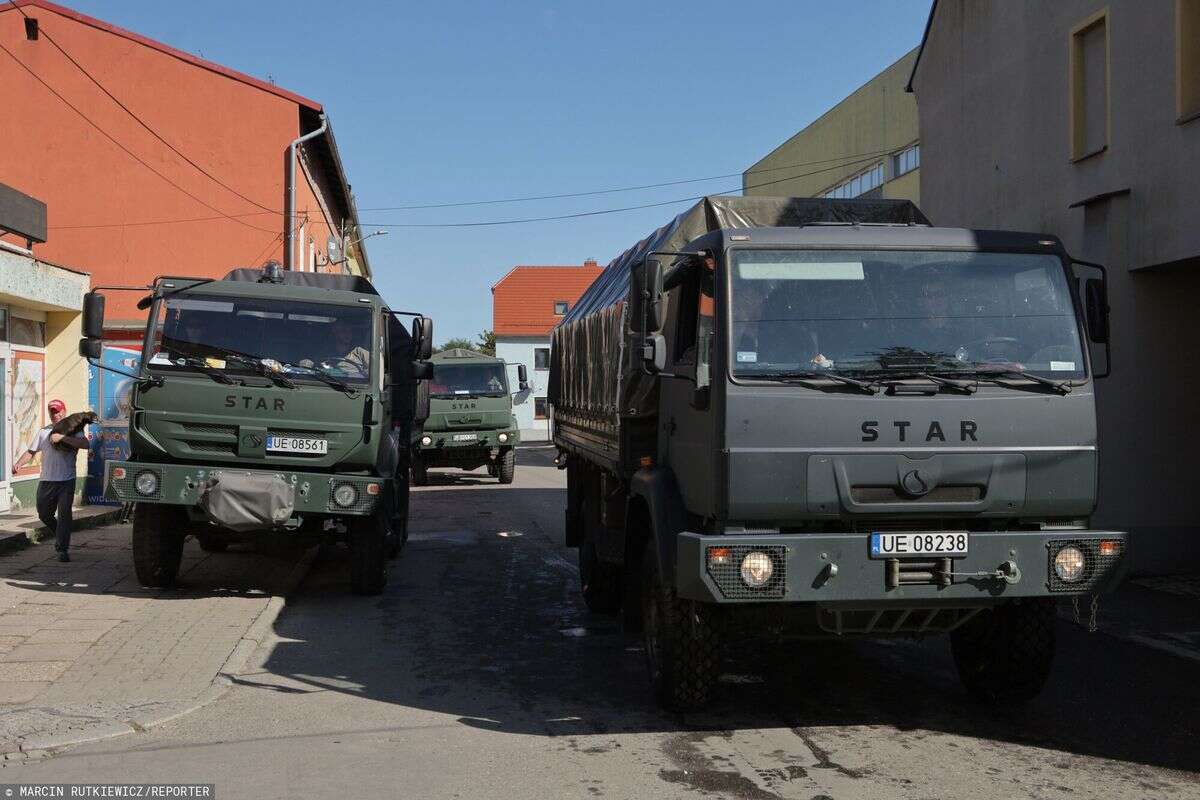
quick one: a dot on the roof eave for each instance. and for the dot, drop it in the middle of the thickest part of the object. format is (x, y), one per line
(908, 87)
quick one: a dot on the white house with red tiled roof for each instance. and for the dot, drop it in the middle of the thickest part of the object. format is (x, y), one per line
(526, 305)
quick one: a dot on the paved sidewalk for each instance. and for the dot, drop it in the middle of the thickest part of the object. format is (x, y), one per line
(18, 529)
(85, 652)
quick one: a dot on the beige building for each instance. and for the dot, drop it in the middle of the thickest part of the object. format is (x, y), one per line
(865, 146)
(1081, 118)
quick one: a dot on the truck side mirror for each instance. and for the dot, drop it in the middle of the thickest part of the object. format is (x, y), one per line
(1095, 304)
(422, 334)
(90, 348)
(645, 296)
(654, 353)
(522, 377)
(93, 315)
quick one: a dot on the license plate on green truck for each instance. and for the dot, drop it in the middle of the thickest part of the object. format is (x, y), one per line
(297, 444)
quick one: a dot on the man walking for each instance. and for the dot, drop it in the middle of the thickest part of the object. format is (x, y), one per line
(56, 487)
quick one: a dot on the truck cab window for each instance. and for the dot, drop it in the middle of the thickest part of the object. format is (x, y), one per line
(695, 321)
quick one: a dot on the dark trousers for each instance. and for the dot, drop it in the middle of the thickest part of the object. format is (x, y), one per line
(54, 498)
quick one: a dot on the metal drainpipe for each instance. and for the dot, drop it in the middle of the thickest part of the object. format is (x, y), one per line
(289, 250)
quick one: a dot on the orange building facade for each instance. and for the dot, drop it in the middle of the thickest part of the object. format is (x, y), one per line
(197, 189)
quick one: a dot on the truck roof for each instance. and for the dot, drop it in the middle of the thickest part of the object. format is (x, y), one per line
(869, 235)
(312, 287)
(460, 355)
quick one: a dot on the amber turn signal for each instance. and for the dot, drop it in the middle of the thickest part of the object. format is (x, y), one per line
(719, 556)
(1110, 547)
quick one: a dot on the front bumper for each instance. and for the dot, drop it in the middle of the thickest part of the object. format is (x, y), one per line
(182, 485)
(836, 568)
(484, 440)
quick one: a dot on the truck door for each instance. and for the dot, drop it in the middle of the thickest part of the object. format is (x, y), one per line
(686, 416)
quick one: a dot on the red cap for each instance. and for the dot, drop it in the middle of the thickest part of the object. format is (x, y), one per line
(56, 405)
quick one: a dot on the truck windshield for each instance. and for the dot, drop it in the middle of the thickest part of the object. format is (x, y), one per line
(244, 335)
(895, 311)
(459, 380)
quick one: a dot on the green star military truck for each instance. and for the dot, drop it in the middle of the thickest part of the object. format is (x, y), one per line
(268, 403)
(471, 422)
(808, 418)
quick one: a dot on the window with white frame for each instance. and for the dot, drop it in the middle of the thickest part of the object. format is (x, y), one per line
(860, 184)
(906, 160)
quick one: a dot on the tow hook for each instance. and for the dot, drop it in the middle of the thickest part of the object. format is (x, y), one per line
(560, 460)
(1008, 572)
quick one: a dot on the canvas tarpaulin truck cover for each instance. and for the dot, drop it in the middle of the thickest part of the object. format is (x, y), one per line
(595, 376)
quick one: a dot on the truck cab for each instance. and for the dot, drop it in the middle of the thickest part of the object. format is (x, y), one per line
(471, 422)
(267, 403)
(847, 430)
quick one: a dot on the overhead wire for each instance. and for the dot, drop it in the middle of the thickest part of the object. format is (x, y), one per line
(581, 214)
(43, 32)
(125, 149)
(641, 187)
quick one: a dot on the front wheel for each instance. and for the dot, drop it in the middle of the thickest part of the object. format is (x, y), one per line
(508, 465)
(368, 553)
(1004, 654)
(420, 473)
(158, 535)
(682, 641)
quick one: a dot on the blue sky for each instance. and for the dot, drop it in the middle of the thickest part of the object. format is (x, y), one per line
(462, 101)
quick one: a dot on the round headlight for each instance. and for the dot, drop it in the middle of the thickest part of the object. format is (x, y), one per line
(503, 438)
(757, 569)
(345, 495)
(1068, 564)
(146, 483)
(426, 440)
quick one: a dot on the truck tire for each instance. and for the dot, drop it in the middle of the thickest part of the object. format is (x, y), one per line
(368, 553)
(599, 582)
(682, 641)
(1004, 654)
(158, 535)
(420, 473)
(508, 465)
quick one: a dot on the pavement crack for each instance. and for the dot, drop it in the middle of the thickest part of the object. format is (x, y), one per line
(822, 755)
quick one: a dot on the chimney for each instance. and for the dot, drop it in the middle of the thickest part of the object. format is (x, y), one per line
(591, 262)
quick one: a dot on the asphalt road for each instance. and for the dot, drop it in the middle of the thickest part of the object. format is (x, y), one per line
(480, 674)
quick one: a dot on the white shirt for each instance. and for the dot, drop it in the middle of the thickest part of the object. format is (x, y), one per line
(57, 465)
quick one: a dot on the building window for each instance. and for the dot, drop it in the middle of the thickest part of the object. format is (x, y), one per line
(906, 160)
(560, 307)
(539, 408)
(1089, 86)
(860, 184)
(28, 332)
(1187, 58)
(541, 358)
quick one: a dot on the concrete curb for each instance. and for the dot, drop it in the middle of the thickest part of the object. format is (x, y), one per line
(255, 635)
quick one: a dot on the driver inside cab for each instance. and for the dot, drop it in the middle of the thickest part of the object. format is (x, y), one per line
(346, 353)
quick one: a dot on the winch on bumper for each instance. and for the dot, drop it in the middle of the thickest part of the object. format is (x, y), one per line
(174, 484)
(837, 568)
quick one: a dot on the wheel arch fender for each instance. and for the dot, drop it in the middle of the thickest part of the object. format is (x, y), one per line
(654, 496)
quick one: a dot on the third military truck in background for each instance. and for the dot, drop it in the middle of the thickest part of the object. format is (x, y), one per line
(821, 418)
(471, 422)
(268, 404)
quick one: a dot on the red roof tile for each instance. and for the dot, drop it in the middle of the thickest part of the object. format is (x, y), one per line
(523, 300)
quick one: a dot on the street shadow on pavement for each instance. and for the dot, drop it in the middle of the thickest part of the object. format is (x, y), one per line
(482, 620)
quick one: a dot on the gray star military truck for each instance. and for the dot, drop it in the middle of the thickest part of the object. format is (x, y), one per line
(471, 422)
(268, 403)
(818, 418)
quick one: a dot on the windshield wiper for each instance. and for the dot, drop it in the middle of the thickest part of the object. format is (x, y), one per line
(991, 375)
(212, 372)
(326, 377)
(966, 387)
(866, 387)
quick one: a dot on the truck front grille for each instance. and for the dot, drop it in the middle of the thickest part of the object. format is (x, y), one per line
(867, 495)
